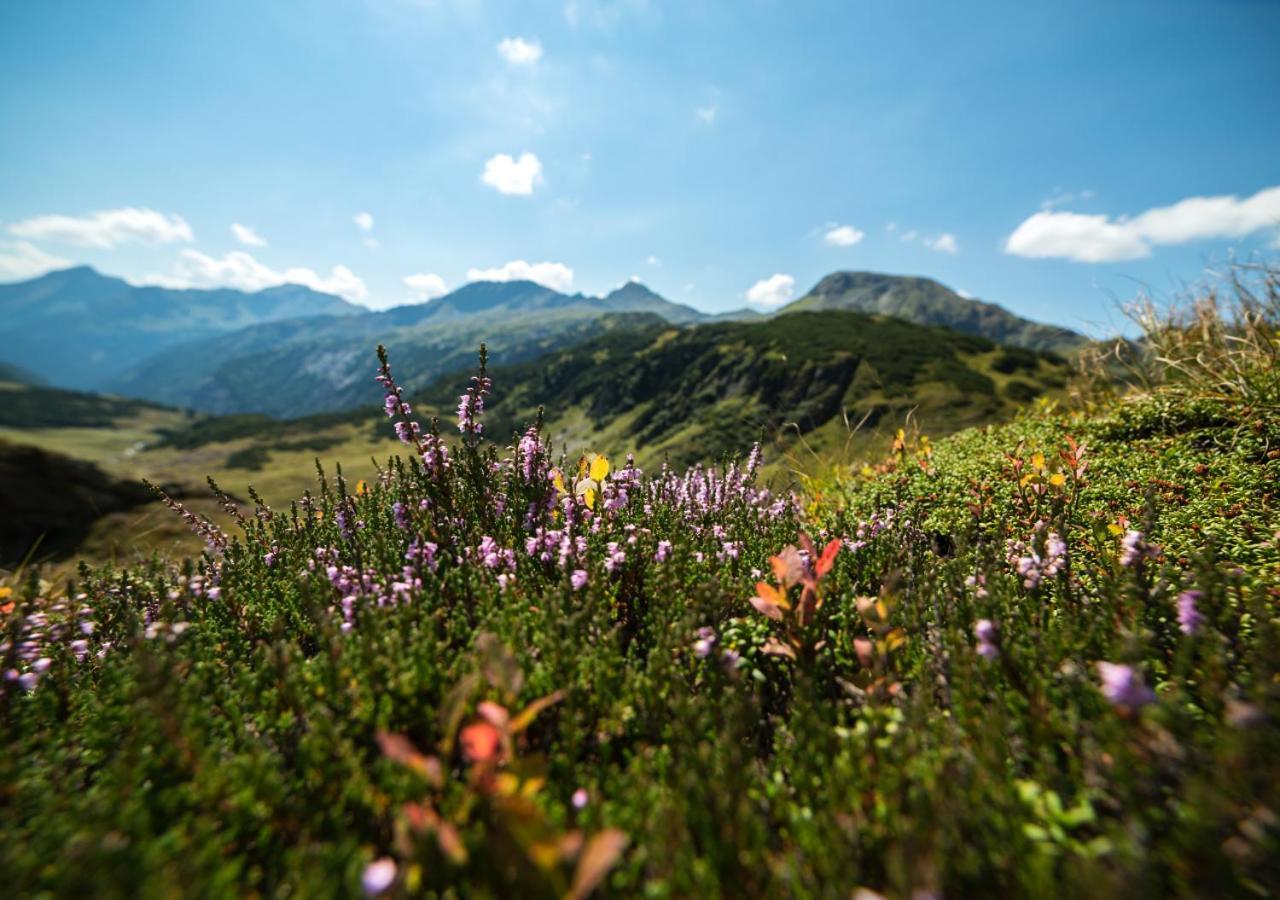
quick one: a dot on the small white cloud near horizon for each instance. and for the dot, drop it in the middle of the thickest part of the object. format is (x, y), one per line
(239, 269)
(707, 114)
(511, 176)
(843, 236)
(20, 260)
(1080, 237)
(943, 243)
(426, 286)
(246, 235)
(106, 228)
(363, 220)
(556, 276)
(519, 52)
(773, 291)
(653, 261)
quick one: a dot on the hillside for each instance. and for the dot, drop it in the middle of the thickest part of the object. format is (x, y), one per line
(80, 328)
(692, 394)
(926, 302)
(50, 502)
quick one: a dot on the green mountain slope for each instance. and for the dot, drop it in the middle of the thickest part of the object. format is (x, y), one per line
(700, 393)
(926, 302)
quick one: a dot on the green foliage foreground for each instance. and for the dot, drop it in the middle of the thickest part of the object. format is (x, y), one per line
(1037, 660)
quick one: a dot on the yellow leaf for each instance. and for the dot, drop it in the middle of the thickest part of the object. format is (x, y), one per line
(1115, 529)
(5, 592)
(361, 487)
(589, 498)
(558, 480)
(598, 857)
(599, 467)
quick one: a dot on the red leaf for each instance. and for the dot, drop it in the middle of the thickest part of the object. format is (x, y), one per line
(828, 558)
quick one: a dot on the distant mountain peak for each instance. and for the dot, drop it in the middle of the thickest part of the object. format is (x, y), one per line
(926, 301)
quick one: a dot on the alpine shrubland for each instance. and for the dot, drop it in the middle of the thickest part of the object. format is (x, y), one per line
(1040, 658)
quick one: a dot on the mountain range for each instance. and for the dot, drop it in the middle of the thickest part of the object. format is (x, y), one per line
(290, 351)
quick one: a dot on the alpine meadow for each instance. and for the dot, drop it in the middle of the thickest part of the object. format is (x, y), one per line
(363, 535)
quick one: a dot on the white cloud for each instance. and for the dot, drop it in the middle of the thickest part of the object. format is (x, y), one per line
(843, 236)
(556, 276)
(943, 243)
(520, 52)
(238, 269)
(707, 113)
(246, 235)
(106, 228)
(363, 220)
(1060, 197)
(426, 285)
(1099, 238)
(653, 261)
(773, 291)
(20, 260)
(513, 176)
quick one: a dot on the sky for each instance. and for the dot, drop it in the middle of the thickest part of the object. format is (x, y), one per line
(1053, 158)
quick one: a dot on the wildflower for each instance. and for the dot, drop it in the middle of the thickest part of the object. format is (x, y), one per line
(1123, 686)
(1133, 549)
(378, 876)
(580, 798)
(401, 515)
(615, 557)
(706, 641)
(664, 551)
(988, 636)
(578, 579)
(1189, 617)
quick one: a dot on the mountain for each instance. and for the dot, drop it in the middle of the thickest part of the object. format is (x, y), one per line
(78, 328)
(699, 393)
(299, 367)
(926, 302)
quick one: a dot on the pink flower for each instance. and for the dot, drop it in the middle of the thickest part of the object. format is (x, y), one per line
(378, 876)
(578, 579)
(988, 636)
(1123, 686)
(580, 798)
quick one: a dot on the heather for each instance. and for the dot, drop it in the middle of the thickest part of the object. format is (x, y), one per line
(1031, 659)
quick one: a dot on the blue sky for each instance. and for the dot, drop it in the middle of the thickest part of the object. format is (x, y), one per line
(1044, 156)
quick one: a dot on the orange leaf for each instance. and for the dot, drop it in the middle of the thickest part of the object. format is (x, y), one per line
(397, 747)
(788, 567)
(481, 742)
(775, 647)
(530, 712)
(598, 857)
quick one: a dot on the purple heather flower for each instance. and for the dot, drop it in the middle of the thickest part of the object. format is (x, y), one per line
(1123, 686)
(706, 641)
(578, 579)
(580, 798)
(1133, 549)
(988, 636)
(664, 551)
(1189, 617)
(378, 876)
